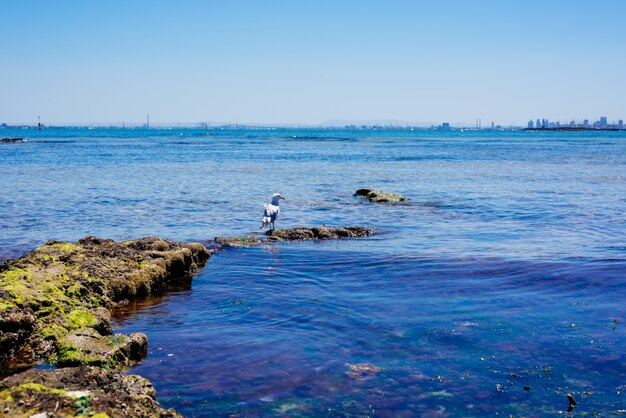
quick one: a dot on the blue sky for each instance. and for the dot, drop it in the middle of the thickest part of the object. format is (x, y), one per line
(308, 62)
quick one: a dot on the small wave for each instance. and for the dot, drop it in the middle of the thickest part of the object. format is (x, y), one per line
(52, 141)
(611, 179)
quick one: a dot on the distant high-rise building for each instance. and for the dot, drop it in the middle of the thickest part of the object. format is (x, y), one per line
(586, 123)
(530, 124)
(538, 124)
(602, 122)
(620, 124)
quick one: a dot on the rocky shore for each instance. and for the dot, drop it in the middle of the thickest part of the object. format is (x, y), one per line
(55, 310)
(79, 391)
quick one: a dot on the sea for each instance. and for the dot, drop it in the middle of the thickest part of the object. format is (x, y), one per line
(497, 289)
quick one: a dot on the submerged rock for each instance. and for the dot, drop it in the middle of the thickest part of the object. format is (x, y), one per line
(380, 197)
(296, 234)
(12, 140)
(79, 391)
(363, 370)
(55, 300)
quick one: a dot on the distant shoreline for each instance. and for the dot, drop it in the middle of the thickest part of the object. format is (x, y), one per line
(313, 128)
(573, 129)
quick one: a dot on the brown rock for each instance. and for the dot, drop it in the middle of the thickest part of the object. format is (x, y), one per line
(380, 197)
(80, 391)
(296, 234)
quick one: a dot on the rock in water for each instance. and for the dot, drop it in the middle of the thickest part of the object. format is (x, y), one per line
(296, 234)
(322, 232)
(380, 197)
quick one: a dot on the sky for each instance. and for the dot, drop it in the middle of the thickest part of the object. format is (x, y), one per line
(308, 62)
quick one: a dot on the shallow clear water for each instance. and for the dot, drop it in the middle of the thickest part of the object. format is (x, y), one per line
(505, 270)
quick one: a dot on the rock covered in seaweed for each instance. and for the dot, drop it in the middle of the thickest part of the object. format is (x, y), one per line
(380, 197)
(88, 346)
(297, 234)
(79, 391)
(55, 300)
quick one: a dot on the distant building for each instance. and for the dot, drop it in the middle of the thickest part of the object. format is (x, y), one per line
(586, 123)
(620, 124)
(538, 125)
(445, 125)
(602, 122)
(530, 124)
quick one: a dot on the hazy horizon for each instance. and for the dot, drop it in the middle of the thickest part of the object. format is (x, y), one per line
(332, 123)
(288, 64)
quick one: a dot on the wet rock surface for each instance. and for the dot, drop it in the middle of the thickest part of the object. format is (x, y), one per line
(12, 140)
(55, 300)
(79, 391)
(380, 197)
(296, 234)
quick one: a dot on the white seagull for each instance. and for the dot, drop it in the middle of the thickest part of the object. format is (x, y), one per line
(271, 211)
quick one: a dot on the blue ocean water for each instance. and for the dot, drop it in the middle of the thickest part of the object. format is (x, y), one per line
(496, 289)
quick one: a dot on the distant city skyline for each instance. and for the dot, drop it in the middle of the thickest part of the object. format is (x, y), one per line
(541, 123)
(601, 123)
(307, 63)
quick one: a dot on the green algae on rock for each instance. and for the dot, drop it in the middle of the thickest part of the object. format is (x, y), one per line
(296, 234)
(239, 242)
(380, 197)
(79, 391)
(87, 346)
(55, 300)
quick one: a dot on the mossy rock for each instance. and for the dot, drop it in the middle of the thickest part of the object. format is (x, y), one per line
(87, 346)
(60, 288)
(380, 197)
(79, 391)
(239, 242)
